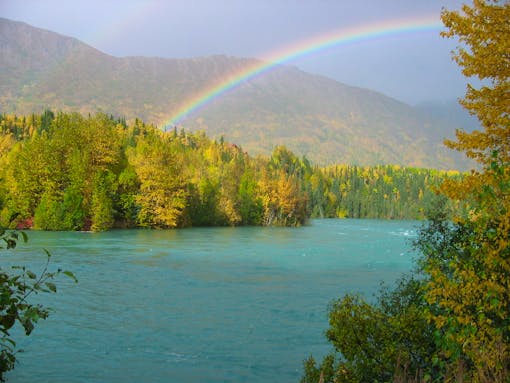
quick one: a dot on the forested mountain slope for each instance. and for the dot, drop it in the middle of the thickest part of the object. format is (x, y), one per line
(325, 120)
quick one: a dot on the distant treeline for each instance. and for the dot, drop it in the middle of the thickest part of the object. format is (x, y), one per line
(69, 172)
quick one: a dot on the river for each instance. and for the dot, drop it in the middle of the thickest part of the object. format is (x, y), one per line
(202, 304)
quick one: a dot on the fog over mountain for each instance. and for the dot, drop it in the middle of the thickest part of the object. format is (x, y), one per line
(325, 120)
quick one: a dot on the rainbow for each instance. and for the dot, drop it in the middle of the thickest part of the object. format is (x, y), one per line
(302, 48)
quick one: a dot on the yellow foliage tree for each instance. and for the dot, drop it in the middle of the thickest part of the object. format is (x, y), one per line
(162, 195)
(484, 28)
(470, 286)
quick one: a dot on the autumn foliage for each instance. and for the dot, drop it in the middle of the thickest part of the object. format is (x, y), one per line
(460, 301)
(70, 172)
(470, 287)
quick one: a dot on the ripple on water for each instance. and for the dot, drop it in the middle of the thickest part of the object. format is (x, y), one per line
(202, 305)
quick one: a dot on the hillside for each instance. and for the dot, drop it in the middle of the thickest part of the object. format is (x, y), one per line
(325, 120)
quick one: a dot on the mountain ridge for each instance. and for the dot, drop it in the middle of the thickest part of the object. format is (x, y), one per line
(313, 115)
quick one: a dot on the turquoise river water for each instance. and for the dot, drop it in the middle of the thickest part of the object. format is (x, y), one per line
(201, 304)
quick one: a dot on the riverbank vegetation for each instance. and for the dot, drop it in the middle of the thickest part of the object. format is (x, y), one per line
(451, 321)
(18, 285)
(70, 172)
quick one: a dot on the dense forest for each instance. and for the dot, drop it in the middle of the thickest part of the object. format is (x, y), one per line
(70, 172)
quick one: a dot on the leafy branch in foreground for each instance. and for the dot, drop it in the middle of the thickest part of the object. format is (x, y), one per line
(16, 286)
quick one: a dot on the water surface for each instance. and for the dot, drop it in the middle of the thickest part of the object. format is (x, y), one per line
(201, 304)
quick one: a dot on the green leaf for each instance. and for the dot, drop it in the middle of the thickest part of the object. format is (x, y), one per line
(31, 275)
(51, 286)
(11, 243)
(28, 325)
(13, 217)
(494, 302)
(70, 275)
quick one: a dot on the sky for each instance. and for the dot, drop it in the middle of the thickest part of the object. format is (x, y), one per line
(411, 67)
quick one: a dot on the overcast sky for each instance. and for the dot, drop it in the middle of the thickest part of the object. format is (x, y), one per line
(411, 67)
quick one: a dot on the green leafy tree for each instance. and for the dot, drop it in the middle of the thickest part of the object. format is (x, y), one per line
(250, 205)
(374, 341)
(204, 206)
(102, 213)
(128, 186)
(48, 215)
(73, 215)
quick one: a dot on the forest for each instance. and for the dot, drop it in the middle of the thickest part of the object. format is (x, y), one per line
(65, 171)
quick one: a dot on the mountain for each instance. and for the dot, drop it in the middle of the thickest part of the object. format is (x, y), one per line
(325, 120)
(451, 113)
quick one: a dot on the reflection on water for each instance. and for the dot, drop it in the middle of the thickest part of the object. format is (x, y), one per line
(201, 304)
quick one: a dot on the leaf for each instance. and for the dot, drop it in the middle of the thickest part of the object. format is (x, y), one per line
(51, 286)
(31, 275)
(13, 217)
(70, 275)
(28, 326)
(11, 243)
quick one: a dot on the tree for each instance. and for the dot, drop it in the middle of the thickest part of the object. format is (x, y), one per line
(469, 280)
(163, 192)
(374, 341)
(48, 214)
(463, 302)
(484, 29)
(16, 287)
(250, 206)
(101, 204)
